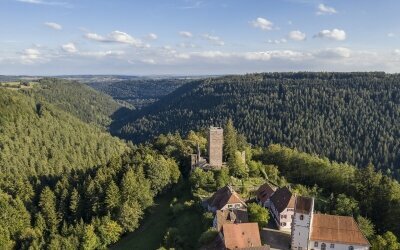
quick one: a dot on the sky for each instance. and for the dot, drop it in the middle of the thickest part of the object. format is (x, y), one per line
(197, 37)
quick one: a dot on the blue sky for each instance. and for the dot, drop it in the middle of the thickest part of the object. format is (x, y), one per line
(189, 37)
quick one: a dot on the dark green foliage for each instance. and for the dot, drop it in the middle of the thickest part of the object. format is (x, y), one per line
(208, 236)
(78, 99)
(51, 142)
(258, 214)
(348, 117)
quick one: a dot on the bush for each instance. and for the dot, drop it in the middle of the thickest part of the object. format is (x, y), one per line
(208, 236)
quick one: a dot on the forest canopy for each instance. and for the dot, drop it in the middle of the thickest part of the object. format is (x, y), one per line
(348, 117)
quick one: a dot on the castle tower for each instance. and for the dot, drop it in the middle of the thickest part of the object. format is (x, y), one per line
(215, 146)
(301, 224)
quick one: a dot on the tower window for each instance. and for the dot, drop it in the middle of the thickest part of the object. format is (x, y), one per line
(301, 217)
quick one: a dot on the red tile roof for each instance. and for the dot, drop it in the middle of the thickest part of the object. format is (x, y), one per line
(338, 229)
(282, 199)
(244, 235)
(223, 196)
(264, 192)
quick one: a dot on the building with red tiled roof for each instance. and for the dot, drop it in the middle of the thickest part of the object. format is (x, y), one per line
(322, 231)
(225, 198)
(243, 236)
(282, 208)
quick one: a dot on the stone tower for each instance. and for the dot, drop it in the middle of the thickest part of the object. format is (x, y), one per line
(215, 146)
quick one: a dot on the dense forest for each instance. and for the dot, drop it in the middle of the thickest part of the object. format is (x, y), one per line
(348, 117)
(139, 92)
(38, 138)
(67, 184)
(76, 98)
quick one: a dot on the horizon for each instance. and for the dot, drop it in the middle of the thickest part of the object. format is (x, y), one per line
(197, 37)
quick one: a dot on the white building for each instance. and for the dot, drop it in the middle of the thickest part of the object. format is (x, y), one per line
(282, 208)
(322, 231)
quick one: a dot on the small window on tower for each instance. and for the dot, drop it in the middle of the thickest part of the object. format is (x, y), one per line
(301, 217)
(316, 244)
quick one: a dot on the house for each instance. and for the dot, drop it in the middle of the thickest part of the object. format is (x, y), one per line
(322, 231)
(223, 217)
(243, 236)
(225, 198)
(264, 193)
(282, 208)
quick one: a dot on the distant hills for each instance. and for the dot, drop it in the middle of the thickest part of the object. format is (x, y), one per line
(353, 117)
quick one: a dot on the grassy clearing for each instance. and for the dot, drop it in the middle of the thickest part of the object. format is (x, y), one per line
(159, 219)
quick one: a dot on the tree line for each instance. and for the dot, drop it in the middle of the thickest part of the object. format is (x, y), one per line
(348, 117)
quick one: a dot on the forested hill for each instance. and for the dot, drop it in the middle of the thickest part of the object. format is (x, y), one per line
(37, 138)
(78, 99)
(139, 92)
(353, 117)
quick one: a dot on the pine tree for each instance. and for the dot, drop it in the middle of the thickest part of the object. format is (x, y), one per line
(47, 205)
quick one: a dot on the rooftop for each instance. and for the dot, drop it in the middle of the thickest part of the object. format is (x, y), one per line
(282, 199)
(242, 236)
(304, 205)
(264, 192)
(223, 196)
(337, 229)
(231, 216)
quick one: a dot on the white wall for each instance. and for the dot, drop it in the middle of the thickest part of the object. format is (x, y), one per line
(300, 233)
(287, 220)
(233, 206)
(337, 246)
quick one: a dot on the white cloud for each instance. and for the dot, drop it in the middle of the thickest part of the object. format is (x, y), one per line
(151, 36)
(339, 52)
(185, 34)
(103, 53)
(54, 26)
(30, 56)
(297, 35)
(69, 47)
(396, 52)
(149, 61)
(325, 10)
(211, 54)
(116, 37)
(214, 39)
(335, 34)
(391, 34)
(262, 23)
(277, 41)
(41, 2)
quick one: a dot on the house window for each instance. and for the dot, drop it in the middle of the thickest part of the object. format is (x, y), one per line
(283, 224)
(316, 244)
(291, 217)
(281, 216)
(230, 206)
(237, 205)
(300, 248)
(301, 217)
(323, 246)
(351, 248)
(332, 245)
(284, 216)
